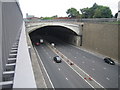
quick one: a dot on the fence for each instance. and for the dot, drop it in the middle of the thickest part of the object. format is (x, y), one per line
(74, 20)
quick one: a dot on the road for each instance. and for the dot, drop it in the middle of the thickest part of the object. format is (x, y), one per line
(103, 73)
(61, 75)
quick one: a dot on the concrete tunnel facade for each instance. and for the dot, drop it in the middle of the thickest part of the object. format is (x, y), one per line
(63, 33)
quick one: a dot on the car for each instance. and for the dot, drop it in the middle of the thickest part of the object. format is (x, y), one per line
(37, 43)
(57, 59)
(41, 40)
(53, 44)
(109, 61)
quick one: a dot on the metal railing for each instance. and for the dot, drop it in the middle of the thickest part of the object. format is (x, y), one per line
(74, 20)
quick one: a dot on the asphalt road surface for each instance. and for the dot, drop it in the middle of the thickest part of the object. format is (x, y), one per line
(105, 74)
(61, 75)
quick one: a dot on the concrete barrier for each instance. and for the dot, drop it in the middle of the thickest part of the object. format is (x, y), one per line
(1, 44)
(101, 38)
(24, 76)
(11, 20)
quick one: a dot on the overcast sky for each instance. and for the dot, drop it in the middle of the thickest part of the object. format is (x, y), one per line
(43, 8)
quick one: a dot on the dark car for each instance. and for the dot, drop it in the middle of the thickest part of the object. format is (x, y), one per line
(57, 59)
(109, 61)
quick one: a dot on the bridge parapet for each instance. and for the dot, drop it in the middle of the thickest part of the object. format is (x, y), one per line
(93, 20)
(24, 76)
(77, 28)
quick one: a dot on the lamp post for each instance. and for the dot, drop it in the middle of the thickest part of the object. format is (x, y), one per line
(118, 17)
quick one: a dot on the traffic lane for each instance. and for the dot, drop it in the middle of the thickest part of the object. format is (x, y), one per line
(52, 71)
(66, 78)
(61, 74)
(91, 59)
(71, 76)
(93, 65)
(77, 53)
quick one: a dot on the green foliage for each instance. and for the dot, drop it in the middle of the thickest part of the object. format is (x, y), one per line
(73, 13)
(102, 12)
(49, 18)
(85, 12)
(54, 16)
(96, 11)
(46, 18)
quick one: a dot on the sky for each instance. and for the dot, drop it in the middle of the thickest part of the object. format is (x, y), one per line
(48, 8)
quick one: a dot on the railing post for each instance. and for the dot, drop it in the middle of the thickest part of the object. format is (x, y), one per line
(118, 17)
(1, 43)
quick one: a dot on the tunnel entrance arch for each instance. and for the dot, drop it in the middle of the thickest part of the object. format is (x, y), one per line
(60, 32)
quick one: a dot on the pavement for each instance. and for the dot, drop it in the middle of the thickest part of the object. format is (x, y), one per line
(105, 74)
(61, 75)
(39, 78)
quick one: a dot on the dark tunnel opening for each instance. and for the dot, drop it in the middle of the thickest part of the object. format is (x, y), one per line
(50, 33)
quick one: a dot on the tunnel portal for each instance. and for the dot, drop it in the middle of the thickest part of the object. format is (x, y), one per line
(59, 32)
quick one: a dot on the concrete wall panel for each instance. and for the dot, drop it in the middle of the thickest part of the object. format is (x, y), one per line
(119, 43)
(12, 21)
(0, 42)
(101, 38)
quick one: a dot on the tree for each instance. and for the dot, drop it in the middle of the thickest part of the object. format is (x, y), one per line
(89, 12)
(103, 12)
(85, 12)
(55, 16)
(73, 13)
(96, 11)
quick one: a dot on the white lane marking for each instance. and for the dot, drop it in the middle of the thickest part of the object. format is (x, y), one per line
(77, 72)
(66, 78)
(44, 70)
(59, 69)
(75, 57)
(80, 76)
(104, 68)
(50, 57)
(93, 69)
(107, 78)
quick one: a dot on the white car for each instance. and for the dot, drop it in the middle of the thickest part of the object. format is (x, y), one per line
(41, 40)
(57, 59)
(53, 44)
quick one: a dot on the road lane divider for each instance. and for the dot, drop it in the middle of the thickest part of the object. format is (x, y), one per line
(44, 70)
(92, 82)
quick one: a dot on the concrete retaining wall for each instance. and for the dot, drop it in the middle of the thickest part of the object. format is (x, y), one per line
(72, 39)
(0, 43)
(119, 43)
(11, 20)
(101, 38)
